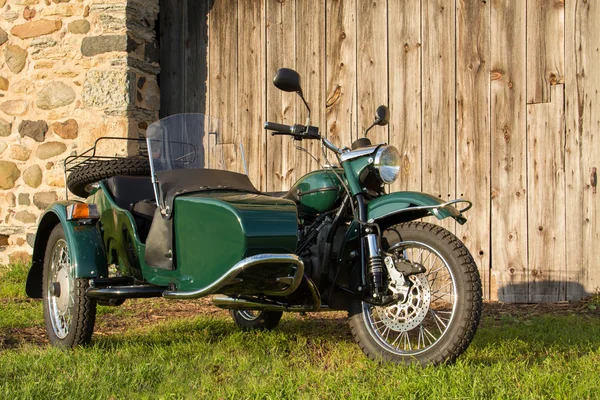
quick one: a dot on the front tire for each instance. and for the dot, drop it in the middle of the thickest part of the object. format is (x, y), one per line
(69, 314)
(248, 320)
(441, 309)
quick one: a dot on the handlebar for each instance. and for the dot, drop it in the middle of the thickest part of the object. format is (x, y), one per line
(300, 132)
(281, 128)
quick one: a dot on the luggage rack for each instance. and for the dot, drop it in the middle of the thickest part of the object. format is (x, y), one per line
(89, 156)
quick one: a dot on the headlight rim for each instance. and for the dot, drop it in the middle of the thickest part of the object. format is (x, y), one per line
(377, 163)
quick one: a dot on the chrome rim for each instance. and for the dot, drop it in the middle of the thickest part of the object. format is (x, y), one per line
(414, 325)
(248, 315)
(60, 289)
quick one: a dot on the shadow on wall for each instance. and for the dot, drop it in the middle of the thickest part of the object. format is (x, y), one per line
(546, 291)
(182, 31)
(142, 64)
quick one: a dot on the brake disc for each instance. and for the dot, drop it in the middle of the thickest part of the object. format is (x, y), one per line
(405, 315)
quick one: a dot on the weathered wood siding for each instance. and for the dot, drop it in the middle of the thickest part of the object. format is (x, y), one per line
(496, 101)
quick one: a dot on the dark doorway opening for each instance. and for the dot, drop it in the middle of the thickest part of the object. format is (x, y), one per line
(182, 31)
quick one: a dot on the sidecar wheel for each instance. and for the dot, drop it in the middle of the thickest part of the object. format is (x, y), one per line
(249, 320)
(441, 309)
(69, 314)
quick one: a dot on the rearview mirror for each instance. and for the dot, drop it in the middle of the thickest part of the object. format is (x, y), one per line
(382, 115)
(288, 80)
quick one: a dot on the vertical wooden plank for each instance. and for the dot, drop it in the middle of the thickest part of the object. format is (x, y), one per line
(546, 199)
(310, 60)
(281, 106)
(341, 71)
(372, 66)
(223, 67)
(582, 87)
(251, 73)
(195, 69)
(171, 57)
(508, 150)
(473, 128)
(439, 101)
(545, 48)
(405, 89)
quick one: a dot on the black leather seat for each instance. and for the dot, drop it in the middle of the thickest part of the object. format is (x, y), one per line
(136, 194)
(128, 190)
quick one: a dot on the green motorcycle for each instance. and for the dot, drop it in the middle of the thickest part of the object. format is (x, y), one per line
(185, 222)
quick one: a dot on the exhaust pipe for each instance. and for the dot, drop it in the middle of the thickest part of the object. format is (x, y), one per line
(234, 303)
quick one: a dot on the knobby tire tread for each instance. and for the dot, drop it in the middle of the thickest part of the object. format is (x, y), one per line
(95, 171)
(473, 295)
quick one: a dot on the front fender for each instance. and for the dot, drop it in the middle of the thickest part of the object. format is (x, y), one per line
(408, 206)
(86, 248)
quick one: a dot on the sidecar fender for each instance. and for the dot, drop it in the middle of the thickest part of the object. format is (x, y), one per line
(407, 206)
(86, 248)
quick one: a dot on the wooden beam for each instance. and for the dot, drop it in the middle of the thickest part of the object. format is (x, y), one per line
(508, 151)
(439, 134)
(582, 151)
(473, 128)
(545, 48)
(405, 89)
(546, 199)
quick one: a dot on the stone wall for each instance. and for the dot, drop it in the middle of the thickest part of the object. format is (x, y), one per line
(70, 72)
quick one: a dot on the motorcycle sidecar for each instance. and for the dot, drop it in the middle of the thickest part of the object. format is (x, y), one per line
(217, 238)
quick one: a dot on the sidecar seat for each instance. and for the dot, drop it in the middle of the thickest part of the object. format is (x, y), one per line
(135, 194)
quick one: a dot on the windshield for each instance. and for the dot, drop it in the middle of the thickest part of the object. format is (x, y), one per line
(194, 141)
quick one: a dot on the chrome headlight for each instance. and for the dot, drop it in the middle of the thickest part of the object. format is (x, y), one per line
(387, 164)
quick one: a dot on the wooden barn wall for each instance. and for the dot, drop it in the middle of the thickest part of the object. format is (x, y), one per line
(496, 101)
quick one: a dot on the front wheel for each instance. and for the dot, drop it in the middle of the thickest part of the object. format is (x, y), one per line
(69, 314)
(439, 309)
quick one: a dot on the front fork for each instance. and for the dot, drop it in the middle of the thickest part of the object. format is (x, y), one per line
(374, 262)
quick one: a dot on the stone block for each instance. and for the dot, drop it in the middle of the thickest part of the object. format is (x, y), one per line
(9, 173)
(102, 89)
(34, 129)
(55, 94)
(43, 199)
(10, 200)
(37, 28)
(5, 128)
(15, 58)
(29, 13)
(31, 239)
(4, 240)
(81, 26)
(33, 176)
(94, 45)
(19, 257)
(24, 199)
(50, 149)
(25, 217)
(14, 107)
(10, 15)
(67, 129)
(3, 83)
(3, 36)
(19, 152)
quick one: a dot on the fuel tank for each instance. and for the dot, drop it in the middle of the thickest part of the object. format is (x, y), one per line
(215, 230)
(317, 192)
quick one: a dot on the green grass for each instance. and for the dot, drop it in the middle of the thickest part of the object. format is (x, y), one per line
(546, 356)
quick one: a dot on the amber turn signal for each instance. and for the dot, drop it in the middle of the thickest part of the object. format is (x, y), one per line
(82, 211)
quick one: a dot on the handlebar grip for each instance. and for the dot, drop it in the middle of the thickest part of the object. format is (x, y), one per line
(273, 126)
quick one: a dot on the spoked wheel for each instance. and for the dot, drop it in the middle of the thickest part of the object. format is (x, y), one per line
(69, 314)
(250, 320)
(438, 310)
